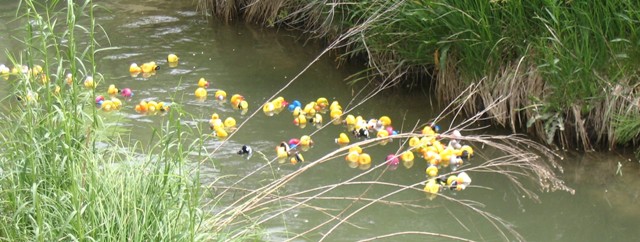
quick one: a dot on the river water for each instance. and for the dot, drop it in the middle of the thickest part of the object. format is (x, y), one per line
(256, 62)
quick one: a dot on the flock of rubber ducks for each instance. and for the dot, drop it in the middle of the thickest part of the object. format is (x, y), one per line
(428, 145)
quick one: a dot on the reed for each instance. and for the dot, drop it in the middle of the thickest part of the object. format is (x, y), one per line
(61, 178)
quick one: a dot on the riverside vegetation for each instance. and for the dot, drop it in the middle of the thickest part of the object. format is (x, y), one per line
(65, 175)
(567, 69)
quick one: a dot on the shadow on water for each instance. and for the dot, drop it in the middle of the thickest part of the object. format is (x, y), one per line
(256, 62)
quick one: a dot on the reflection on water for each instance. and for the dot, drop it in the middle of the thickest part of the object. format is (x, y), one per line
(257, 62)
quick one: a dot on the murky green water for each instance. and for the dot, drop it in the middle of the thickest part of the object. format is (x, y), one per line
(257, 62)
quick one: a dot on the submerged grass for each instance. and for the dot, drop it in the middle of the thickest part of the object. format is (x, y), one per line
(60, 178)
(563, 59)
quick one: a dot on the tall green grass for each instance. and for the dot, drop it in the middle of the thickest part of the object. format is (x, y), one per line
(60, 177)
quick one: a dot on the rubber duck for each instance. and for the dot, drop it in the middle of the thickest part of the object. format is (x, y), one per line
(335, 105)
(112, 90)
(4, 71)
(89, 83)
(268, 108)
(107, 106)
(432, 186)
(134, 69)
(322, 102)
(382, 134)
(99, 99)
(126, 92)
(414, 142)
(342, 139)
(466, 152)
(216, 124)
(392, 160)
(201, 93)
(172, 58)
(427, 130)
(293, 143)
(452, 181)
(335, 113)
(300, 120)
(149, 67)
(305, 140)
(141, 107)
(236, 99)
(463, 181)
(69, 79)
(432, 171)
(317, 119)
(278, 103)
(244, 105)
(246, 150)
(350, 120)
(296, 157)
(407, 156)
(364, 159)
(309, 109)
(361, 132)
(229, 122)
(221, 133)
(117, 104)
(220, 95)
(203, 83)
(352, 156)
(356, 148)
(152, 106)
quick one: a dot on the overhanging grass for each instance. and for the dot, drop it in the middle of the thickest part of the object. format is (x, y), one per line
(56, 182)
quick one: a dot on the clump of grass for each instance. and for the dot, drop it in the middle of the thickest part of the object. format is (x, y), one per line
(56, 182)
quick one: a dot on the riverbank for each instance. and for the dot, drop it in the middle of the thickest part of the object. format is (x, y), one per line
(566, 70)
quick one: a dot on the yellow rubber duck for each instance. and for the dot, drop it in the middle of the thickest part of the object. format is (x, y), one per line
(466, 151)
(149, 67)
(432, 171)
(364, 159)
(385, 120)
(134, 69)
(352, 156)
(236, 99)
(382, 133)
(407, 156)
(322, 102)
(300, 120)
(342, 139)
(172, 58)
(356, 148)
(244, 105)
(107, 106)
(201, 92)
(112, 90)
(220, 95)
(350, 120)
(229, 122)
(89, 83)
(335, 106)
(203, 82)
(432, 186)
(268, 107)
(295, 158)
(281, 152)
(221, 133)
(335, 113)
(4, 71)
(305, 140)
